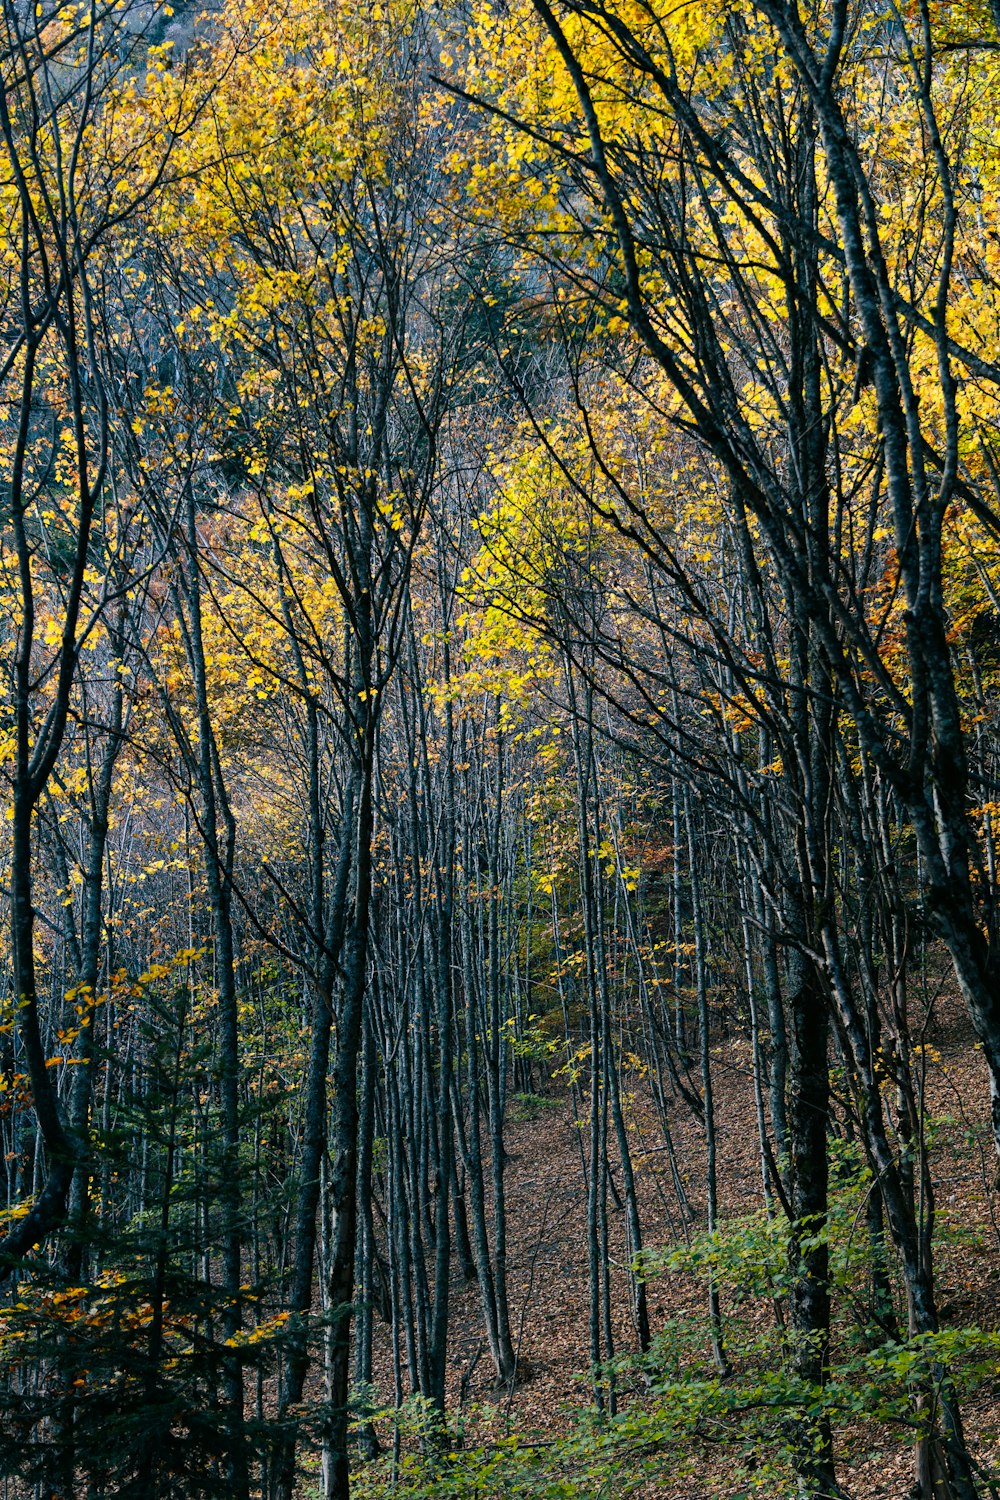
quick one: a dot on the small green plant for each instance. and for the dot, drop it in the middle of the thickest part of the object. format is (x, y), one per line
(523, 1108)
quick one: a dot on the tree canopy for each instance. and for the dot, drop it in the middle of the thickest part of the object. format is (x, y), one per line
(499, 655)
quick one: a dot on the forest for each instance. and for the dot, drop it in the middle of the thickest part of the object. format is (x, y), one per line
(500, 749)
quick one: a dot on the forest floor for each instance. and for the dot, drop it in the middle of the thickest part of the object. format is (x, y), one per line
(548, 1269)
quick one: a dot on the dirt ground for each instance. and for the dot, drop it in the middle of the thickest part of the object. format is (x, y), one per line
(547, 1263)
